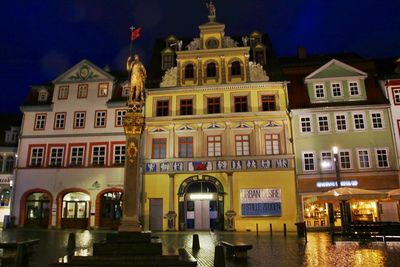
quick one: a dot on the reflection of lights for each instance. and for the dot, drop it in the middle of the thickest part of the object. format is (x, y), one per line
(354, 206)
(321, 209)
(307, 209)
(200, 196)
(312, 207)
(326, 164)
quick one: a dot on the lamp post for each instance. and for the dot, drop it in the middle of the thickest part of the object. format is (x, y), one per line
(335, 150)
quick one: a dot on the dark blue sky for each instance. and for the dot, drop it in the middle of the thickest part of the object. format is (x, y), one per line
(40, 39)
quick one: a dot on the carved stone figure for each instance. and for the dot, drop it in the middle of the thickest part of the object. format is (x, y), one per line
(179, 43)
(138, 77)
(194, 45)
(257, 73)
(245, 40)
(229, 42)
(211, 9)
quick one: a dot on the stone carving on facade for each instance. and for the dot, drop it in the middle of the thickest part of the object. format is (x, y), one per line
(245, 40)
(170, 78)
(194, 45)
(257, 73)
(229, 42)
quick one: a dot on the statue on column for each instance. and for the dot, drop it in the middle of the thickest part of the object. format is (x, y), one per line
(212, 12)
(138, 76)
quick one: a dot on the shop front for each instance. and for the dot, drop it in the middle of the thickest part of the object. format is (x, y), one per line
(75, 210)
(37, 210)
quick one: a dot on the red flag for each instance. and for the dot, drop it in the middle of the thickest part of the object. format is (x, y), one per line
(135, 33)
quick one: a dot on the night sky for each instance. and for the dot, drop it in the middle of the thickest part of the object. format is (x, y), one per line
(40, 39)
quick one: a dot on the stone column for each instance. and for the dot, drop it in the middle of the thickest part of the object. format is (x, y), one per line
(171, 215)
(200, 71)
(178, 75)
(257, 138)
(223, 70)
(247, 67)
(230, 214)
(133, 126)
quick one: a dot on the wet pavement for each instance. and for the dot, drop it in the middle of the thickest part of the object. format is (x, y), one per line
(267, 250)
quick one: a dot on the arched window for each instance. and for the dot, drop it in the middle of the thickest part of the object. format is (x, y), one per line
(236, 69)
(9, 164)
(189, 71)
(211, 70)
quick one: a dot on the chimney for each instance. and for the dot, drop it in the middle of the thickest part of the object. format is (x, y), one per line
(301, 53)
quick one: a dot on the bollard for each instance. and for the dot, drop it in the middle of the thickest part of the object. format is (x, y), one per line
(196, 242)
(219, 256)
(270, 229)
(71, 242)
(257, 228)
(284, 229)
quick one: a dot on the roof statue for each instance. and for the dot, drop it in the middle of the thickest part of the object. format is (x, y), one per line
(212, 11)
(138, 76)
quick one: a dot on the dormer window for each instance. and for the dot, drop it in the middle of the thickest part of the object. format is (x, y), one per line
(336, 89)
(319, 90)
(354, 89)
(189, 71)
(236, 69)
(211, 70)
(167, 61)
(42, 96)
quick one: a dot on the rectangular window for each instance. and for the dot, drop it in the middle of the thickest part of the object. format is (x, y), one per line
(79, 119)
(341, 122)
(40, 121)
(272, 144)
(100, 119)
(242, 145)
(353, 88)
(308, 161)
(162, 108)
(119, 117)
(119, 155)
(82, 91)
(77, 156)
(326, 160)
(186, 107)
(167, 61)
(103, 90)
(37, 154)
(241, 104)
(396, 96)
(98, 155)
(159, 148)
(59, 120)
(213, 105)
(63, 92)
(268, 103)
(323, 123)
(214, 146)
(376, 120)
(382, 158)
(305, 124)
(319, 90)
(336, 89)
(359, 123)
(185, 147)
(345, 159)
(56, 156)
(363, 158)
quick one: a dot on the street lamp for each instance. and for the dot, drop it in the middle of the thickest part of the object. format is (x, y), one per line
(335, 150)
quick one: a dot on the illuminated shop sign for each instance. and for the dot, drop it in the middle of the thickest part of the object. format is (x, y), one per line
(261, 202)
(348, 183)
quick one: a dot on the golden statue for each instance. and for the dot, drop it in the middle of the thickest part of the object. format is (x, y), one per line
(138, 78)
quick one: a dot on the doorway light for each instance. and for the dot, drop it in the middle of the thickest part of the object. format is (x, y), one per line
(201, 196)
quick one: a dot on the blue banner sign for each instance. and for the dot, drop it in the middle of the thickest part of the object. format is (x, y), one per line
(261, 202)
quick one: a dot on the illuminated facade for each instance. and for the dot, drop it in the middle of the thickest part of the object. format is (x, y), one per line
(338, 103)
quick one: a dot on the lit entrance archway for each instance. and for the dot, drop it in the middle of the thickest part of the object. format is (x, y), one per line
(75, 210)
(37, 210)
(201, 203)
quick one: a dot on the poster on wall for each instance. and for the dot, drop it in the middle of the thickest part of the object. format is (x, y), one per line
(261, 202)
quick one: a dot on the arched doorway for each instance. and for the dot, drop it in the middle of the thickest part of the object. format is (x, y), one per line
(201, 203)
(110, 209)
(75, 210)
(37, 210)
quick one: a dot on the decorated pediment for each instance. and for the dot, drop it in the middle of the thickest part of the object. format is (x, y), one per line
(214, 126)
(242, 125)
(333, 69)
(272, 124)
(159, 130)
(185, 128)
(82, 72)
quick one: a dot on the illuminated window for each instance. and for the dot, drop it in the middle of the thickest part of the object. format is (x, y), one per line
(103, 90)
(185, 147)
(214, 145)
(326, 160)
(382, 159)
(242, 145)
(272, 144)
(159, 148)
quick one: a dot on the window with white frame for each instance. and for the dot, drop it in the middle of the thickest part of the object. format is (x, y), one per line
(40, 121)
(326, 160)
(99, 155)
(363, 158)
(80, 118)
(396, 96)
(354, 88)
(242, 145)
(119, 155)
(77, 156)
(341, 122)
(119, 117)
(100, 120)
(382, 159)
(59, 121)
(376, 120)
(56, 156)
(305, 124)
(359, 121)
(272, 144)
(319, 90)
(323, 123)
(345, 159)
(214, 146)
(308, 161)
(37, 154)
(336, 89)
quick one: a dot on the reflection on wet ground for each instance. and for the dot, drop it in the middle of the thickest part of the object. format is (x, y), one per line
(267, 250)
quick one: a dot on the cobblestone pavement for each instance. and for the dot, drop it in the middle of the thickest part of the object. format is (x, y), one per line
(267, 250)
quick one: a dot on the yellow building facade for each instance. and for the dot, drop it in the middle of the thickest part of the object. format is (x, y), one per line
(217, 146)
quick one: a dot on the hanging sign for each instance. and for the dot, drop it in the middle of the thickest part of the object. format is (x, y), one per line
(261, 202)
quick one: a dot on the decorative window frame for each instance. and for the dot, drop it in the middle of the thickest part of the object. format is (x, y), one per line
(275, 94)
(358, 150)
(184, 97)
(214, 142)
(242, 70)
(382, 119)
(81, 88)
(69, 156)
(217, 67)
(311, 124)
(99, 90)
(165, 98)
(387, 155)
(84, 119)
(55, 120)
(193, 145)
(221, 102)
(247, 94)
(279, 143)
(248, 141)
(358, 88)
(152, 146)
(195, 70)
(36, 119)
(323, 90)
(95, 119)
(354, 121)
(61, 92)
